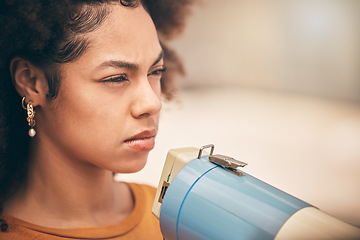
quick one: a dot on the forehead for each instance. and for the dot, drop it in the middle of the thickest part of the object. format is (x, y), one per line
(126, 30)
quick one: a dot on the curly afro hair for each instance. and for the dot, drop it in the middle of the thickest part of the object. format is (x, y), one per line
(49, 33)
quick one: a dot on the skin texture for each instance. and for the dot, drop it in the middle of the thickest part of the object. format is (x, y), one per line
(108, 95)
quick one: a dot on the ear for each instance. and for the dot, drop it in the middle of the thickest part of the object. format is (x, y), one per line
(29, 80)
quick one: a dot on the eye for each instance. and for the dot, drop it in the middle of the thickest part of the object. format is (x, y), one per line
(115, 79)
(158, 71)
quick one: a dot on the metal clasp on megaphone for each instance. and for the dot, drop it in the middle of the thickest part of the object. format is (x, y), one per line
(228, 163)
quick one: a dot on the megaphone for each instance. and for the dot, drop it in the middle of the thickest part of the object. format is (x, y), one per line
(203, 195)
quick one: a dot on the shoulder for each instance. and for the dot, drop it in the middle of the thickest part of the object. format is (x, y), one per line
(15, 229)
(143, 194)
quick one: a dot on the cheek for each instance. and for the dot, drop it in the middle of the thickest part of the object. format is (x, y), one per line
(88, 118)
(90, 103)
(95, 116)
(91, 129)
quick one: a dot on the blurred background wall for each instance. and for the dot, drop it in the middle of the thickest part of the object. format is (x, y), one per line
(303, 46)
(274, 83)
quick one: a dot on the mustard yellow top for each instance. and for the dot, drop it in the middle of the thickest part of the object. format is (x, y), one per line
(141, 224)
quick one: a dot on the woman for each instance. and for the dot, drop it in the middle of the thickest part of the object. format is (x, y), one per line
(89, 76)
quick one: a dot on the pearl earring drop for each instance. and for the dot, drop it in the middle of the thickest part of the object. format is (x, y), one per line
(32, 132)
(30, 116)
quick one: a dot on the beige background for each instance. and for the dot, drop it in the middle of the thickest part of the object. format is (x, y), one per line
(275, 84)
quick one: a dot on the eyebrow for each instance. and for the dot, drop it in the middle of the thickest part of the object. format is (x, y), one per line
(127, 65)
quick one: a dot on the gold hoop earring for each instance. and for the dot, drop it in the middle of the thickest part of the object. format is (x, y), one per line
(30, 116)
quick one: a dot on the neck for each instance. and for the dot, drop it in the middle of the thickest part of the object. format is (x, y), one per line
(68, 193)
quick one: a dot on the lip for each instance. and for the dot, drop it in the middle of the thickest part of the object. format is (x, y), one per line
(143, 141)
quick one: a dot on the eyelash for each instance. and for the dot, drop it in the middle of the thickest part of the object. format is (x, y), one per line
(117, 78)
(124, 77)
(158, 71)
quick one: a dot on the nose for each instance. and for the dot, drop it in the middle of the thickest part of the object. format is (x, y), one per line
(147, 100)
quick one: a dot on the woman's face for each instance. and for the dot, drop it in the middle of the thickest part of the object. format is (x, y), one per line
(107, 110)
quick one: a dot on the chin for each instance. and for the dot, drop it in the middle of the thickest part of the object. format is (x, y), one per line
(131, 166)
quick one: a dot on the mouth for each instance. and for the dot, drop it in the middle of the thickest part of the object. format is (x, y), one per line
(143, 141)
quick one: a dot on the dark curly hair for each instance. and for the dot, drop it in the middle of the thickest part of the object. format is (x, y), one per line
(49, 33)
